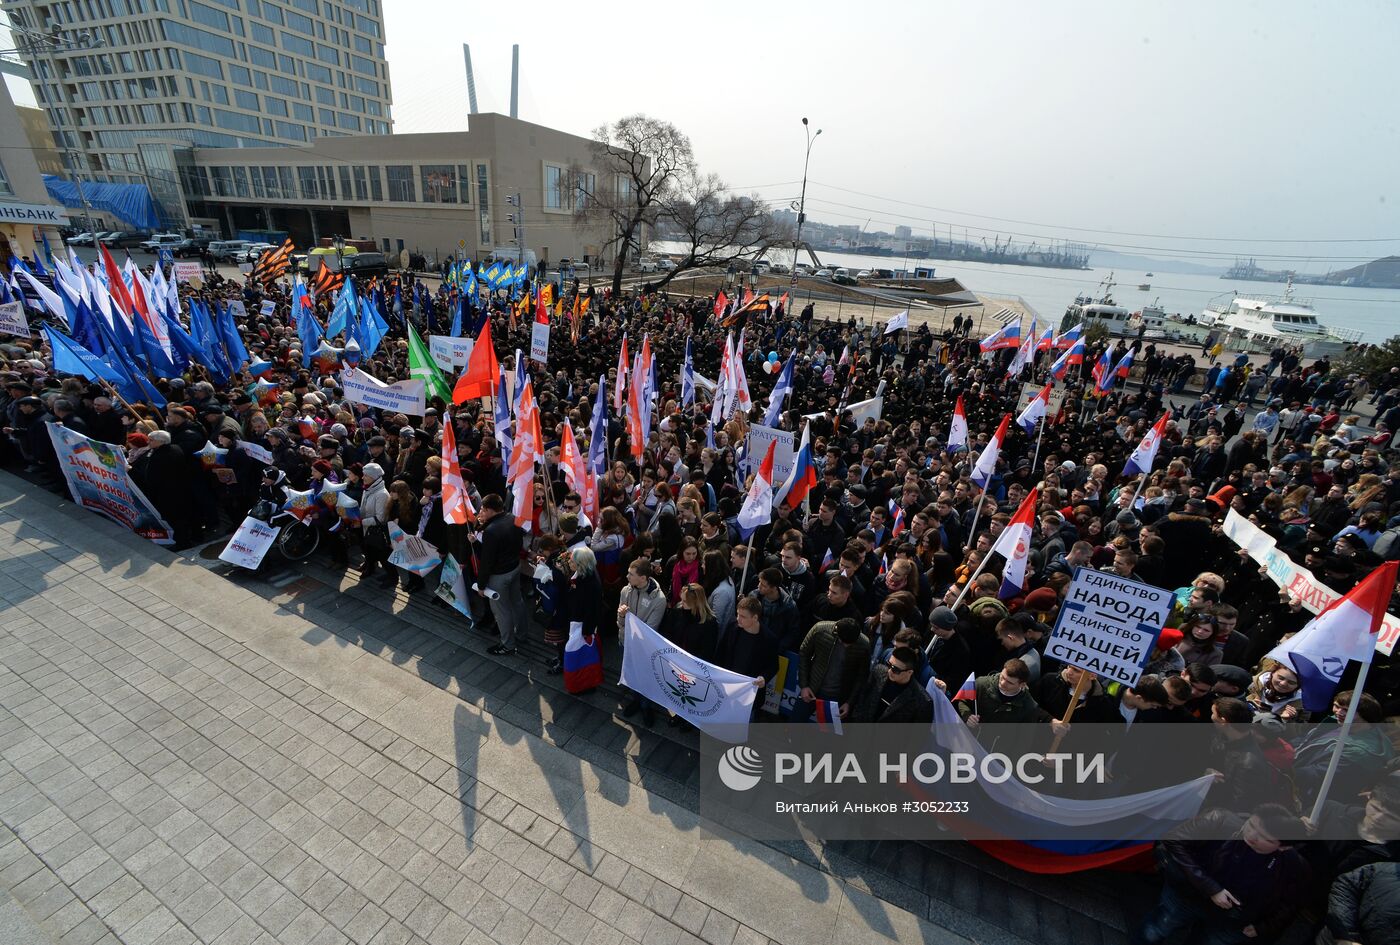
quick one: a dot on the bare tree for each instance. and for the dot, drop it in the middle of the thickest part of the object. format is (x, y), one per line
(717, 227)
(641, 162)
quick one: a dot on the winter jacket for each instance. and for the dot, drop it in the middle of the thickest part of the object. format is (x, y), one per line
(991, 707)
(374, 504)
(815, 660)
(1188, 540)
(648, 605)
(913, 704)
(780, 618)
(1268, 887)
(501, 543)
(1365, 904)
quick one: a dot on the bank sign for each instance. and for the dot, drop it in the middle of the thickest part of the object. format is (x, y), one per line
(35, 213)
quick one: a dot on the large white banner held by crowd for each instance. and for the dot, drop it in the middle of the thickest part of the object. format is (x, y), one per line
(403, 397)
(1299, 581)
(713, 699)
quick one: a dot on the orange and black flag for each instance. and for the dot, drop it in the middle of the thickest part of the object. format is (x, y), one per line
(273, 263)
(326, 281)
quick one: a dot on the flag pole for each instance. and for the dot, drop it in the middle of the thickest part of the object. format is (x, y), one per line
(1035, 463)
(976, 514)
(744, 575)
(968, 586)
(1347, 722)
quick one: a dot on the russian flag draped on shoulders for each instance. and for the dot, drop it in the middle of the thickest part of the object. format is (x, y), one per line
(1014, 545)
(1146, 453)
(1345, 630)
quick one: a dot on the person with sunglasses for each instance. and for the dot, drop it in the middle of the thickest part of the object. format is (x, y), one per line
(891, 693)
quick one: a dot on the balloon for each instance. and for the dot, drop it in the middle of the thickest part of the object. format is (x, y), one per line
(772, 356)
(767, 367)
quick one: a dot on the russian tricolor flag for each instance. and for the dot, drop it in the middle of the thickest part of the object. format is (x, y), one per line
(1035, 410)
(1345, 630)
(1146, 453)
(1014, 545)
(1071, 337)
(987, 459)
(1007, 336)
(1124, 365)
(803, 477)
(897, 520)
(828, 715)
(957, 429)
(1103, 374)
(968, 690)
(1046, 342)
(1073, 355)
(583, 664)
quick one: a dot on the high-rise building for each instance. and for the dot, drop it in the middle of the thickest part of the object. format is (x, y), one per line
(131, 85)
(902, 232)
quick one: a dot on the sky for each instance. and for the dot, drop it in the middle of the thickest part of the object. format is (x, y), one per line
(1246, 120)
(1200, 129)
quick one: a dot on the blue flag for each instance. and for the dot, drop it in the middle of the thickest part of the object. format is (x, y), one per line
(69, 357)
(232, 340)
(48, 253)
(184, 347)
(457, 319)
(372, 328)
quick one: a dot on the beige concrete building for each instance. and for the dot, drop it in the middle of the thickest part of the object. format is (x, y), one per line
(434, 194)
(25, 207)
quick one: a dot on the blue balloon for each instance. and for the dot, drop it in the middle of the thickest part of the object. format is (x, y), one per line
(772, 356)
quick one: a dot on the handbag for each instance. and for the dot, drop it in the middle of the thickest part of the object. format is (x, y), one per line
(376, 540)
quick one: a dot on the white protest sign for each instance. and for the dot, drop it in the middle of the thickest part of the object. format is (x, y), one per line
(188, 270)
(268, 307)
(238, 309)
(12, 320)
(450, 353)
(411, 553)
(1300, 582)
(1052, 409)
(539, 342)
(261, 453)
(861, 410)
(249, 544)
(245, 267)
(453, 588)
(402, 397)
(756, 447)
(1108, 625)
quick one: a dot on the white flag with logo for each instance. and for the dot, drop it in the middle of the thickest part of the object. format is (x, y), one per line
(713, 699)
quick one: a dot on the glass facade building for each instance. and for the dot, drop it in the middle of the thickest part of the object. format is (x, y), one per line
(203, 74)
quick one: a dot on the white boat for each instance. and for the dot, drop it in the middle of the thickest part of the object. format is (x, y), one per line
(1262, 323)
(1087, 310)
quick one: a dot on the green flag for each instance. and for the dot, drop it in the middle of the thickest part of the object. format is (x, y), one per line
(422, 365)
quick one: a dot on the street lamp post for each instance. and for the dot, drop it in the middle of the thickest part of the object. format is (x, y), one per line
(338, 243)
(802, 201)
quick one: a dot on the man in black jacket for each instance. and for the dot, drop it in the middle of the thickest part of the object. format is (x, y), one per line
(501, 544)
(1235, 877)
(891, 693)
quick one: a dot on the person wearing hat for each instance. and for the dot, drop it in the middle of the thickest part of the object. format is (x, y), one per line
(1189, 538)
(374, 518)
(162, 473)
(413, 462)
(949, 656)
(25, 429)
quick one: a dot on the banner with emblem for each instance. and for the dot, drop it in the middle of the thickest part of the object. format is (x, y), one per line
(96, 474)
(713, 699)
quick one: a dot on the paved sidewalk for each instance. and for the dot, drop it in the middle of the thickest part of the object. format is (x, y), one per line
(183, 761)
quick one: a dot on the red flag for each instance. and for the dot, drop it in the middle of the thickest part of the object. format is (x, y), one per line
(721, 303)
(521, 471)
(479, 377)
(116, 285)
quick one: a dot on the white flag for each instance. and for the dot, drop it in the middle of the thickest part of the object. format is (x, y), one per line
(713, 699)
(899, 321)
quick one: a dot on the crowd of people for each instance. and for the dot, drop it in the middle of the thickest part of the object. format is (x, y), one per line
(873, 581)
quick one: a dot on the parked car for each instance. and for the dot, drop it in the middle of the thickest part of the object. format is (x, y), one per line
(84, 239)
(253, 251)
(162, 241)
(863, 274)
(227, 250)
(125, 239)
(823, 273)
(646, 265)
(665, 265)
(365, 265)
(778, 269)
(192, 246)
(845, 279)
